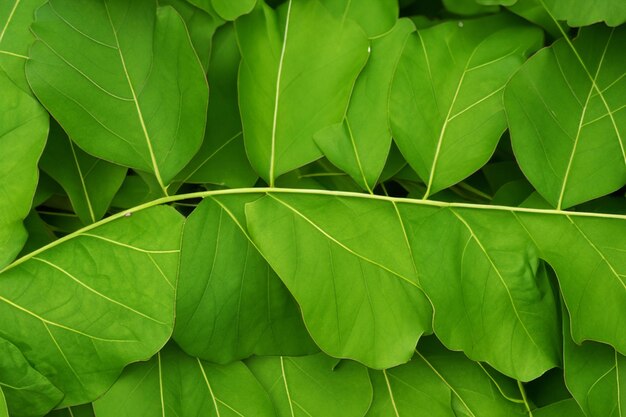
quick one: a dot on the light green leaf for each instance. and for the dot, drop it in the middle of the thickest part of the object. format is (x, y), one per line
(109, 300)
(446, 102)
(23, 131)
(230, 304)
(584, 12)
(347, 262)
(469, 7)
(16, 37)
(39, 233)
(360, 144)
(488, 288)
(313, 386)
(89, 68)
(138, 188)
(172, 384)
(595, 374)
(231, 10)
(376, 17)
(27, 392)
(89, 182)
(567, 117)
(200, 25)
(292, 84)
(222, 157)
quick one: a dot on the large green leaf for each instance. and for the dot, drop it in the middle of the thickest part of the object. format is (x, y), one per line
(172, 384)
(376, 17)
(231, 10)
(345, 258)
(4, 412)
(446, 101)
(568, 119)
(360, 144)
(89, 182)
(584, 12)
(348, 264)
(292, 84)
(85, 410)
(565, 408)
(16, 37)
(594, 374)
(23, 131)
(27, 392)
(222, 157)
(314, 386)
(90, 69)
(230, 304)
(109, 300)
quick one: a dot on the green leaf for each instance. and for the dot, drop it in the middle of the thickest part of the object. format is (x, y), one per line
(314, 386)
(230, 304)
(27, 392)
(348, 264)
(85, 410)
(292, 84)
(16, 37)
(109, 300)
(469, 7)
(172, 384)
(376, 17)
(222, 157)
(487, 286)
(360, 144)
(231, 10)
(584, 13)
(200, 25)
(145, 111)
(23, 131)
(567, 118)
(594, 374)
(89, 182)
(4, 412)
(446, 100)
(565, 408)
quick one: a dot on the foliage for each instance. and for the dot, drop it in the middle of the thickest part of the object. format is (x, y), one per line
(312, 208)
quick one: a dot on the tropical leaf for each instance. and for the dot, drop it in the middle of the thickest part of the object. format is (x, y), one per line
(290, 86)
(145, 111)
(173, 384)
(568, 119)
(4, 412)
(360, 144)
(314, 386)
(15, 38)
(89, 182)
(27, 392)
(446, 101)
(23, 131)
(109, 300)
(231, 10)
(230, 304)
(85, 410)
(565, 408)
(584, 13)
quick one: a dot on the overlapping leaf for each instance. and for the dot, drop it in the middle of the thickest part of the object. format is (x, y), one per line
(290, 86)
(446, 101)
(568, 118)
(109, 301)
(123, 81)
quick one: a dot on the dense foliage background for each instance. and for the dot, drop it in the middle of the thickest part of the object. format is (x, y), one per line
(312, 208)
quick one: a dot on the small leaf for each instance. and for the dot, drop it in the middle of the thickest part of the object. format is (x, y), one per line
(89, 182)
(289, 86)
(314, 386)
(172, 384)
(446, 101)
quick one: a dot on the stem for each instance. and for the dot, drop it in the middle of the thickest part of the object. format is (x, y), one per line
(523, 392)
